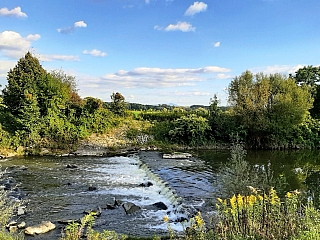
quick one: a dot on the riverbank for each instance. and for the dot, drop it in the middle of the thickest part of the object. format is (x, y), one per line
(114, 143)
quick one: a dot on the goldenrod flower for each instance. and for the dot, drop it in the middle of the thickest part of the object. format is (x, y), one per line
(199, 220)
(289, 195)
(252, 199)
(233, 201)
(166, 219)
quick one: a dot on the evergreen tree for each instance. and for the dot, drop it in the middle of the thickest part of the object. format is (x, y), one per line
(22, 78)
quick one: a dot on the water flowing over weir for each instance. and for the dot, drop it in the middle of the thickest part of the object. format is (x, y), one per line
(55, 192)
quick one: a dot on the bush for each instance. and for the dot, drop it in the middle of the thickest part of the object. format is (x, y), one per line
(190, 129)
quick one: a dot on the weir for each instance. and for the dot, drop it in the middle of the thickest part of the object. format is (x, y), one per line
(54, 192)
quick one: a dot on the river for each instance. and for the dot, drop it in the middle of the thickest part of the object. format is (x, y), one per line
(53, 192)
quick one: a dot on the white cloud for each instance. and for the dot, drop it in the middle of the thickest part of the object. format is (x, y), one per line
(195, 8)
(216, 44)
(223, 76)
(145, 77)
(33, 37)
(180, 26)
(57, 57)
(80, 24)
(95, 53)
(156, 27)
(15, 12)
(5, 66)
(285, 69)
(13, 45)
(68, 30)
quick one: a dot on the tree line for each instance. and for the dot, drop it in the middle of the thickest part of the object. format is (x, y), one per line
(41, 109)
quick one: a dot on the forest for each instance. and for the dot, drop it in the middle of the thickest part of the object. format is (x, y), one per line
(43, 110)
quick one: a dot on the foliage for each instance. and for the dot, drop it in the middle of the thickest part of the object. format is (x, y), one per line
(118, 104)
(310, 76)
(268, 106)
(75, 231)
(260, 216)
(189, 129)
(22, 80)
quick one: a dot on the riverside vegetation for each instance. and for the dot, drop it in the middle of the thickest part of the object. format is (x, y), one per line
(42, 110)
(42, 113)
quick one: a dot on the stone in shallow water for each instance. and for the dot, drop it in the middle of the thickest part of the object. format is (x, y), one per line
(43, 227)
(160, 205)
(130, 207)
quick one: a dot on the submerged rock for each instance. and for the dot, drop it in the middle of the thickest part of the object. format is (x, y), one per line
(41, 228)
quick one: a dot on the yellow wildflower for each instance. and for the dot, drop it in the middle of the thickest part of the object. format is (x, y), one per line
(289, 195)
(233, 201)
(199, 220)
(166, 219)
(252, 199)
(240, 201)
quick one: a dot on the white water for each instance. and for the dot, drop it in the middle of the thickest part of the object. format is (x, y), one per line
(122, 176)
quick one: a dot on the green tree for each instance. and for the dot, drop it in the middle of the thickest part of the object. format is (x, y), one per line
(310, 76)
(118, 104)
(23, 77)
(28, 123)
(268, 105)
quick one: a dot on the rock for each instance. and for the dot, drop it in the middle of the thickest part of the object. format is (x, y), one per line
(67, 221)
(11, 223)
(110, 207)
(130, 208)
(117, 202)
(147, 184)
(160, 205)
(21, 225)
(177, 156)
(96, 212)
(13, 229)
(181, 219)
(20, 211)
(72, 166)
(43, 227)
(44, 151)
(92, 188)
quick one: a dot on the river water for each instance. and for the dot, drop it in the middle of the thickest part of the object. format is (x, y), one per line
(53, 192)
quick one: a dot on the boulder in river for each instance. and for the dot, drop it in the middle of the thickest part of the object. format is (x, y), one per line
(92, 188)
(146, 184)
(43, 227)
(130, 208)
(160, 205)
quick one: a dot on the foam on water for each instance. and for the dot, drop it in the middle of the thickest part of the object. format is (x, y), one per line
(122, 177)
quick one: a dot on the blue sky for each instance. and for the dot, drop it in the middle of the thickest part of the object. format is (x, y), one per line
(160, 51)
